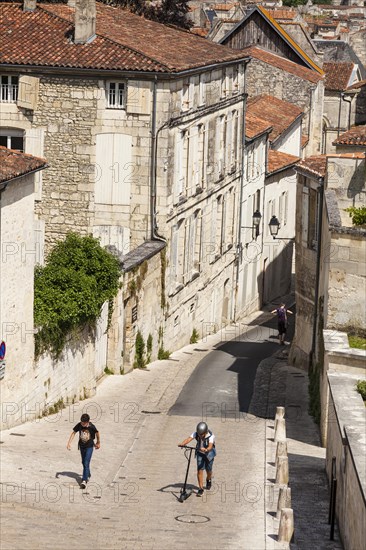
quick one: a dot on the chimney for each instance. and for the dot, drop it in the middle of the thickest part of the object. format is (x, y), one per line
(29, 5)
(85, 17)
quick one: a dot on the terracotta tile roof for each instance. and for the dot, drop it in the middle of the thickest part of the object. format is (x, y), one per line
(278, 161)
(278, 113)
(360, 155)
(255, 126)
(282, 14)
(354, 136)
(222, 7)
(124, 41)
(315, 166)
(14, 164)
(360, 84)
(337, 75)
(304, 140)
(200, 31)
(284, 64)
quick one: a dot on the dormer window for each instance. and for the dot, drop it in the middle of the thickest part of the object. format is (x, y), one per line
(9, 89)
(116, 95)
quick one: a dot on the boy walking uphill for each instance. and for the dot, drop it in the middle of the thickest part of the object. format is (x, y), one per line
(87, 433)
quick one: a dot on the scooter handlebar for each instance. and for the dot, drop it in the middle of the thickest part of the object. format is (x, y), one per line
(186, 447)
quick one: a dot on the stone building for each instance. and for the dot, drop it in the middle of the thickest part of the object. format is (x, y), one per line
(269, 73)
(330, 252)
(18, 258)
(340, 98)
(141, 125)
(273, 147)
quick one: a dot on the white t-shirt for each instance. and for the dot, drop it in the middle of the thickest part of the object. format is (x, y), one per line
(211, 439)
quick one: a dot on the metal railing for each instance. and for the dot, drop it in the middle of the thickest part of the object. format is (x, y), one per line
(333, 498)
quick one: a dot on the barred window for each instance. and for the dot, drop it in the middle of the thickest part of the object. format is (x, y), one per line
(116, 95)
(9, 89)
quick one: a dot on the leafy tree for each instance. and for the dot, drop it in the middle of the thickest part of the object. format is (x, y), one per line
(169, 12)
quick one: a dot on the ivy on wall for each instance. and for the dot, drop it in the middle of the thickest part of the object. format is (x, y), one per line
(70, 289)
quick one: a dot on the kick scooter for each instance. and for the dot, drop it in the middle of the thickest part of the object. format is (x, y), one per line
(184, 494)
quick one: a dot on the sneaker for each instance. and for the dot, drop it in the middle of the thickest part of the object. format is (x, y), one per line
(200, 492)
(83, 484)
(208, 484)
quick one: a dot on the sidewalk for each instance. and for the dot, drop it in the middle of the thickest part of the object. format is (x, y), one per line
(137, 474)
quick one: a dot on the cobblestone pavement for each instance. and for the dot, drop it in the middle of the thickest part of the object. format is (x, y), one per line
(131, 501)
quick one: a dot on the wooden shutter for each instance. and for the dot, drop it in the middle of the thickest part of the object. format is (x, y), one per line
(114, 170)
(28, 92)
(139, 97)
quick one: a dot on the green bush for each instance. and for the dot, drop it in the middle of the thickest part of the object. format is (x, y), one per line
(361, 388)
(108, 371)
(356, 342)
(70, 289)
(194, 337)
(358, 214)
(149, 343)
(139, 351)
(163, 353)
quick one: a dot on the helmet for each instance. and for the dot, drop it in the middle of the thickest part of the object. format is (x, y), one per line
(202, 428)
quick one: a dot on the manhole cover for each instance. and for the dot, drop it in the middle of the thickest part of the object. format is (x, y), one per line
(193, 518)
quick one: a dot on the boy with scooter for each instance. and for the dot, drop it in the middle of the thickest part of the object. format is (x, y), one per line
(205, 454)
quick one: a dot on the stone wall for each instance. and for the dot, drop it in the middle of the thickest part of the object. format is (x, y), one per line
(360, 117)
(346, 442)
(347, 280)
(357, 41)
(18, 258)
(266, 79)
(305, 261)
(337, 117)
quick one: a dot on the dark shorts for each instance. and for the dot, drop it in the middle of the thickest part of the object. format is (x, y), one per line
(282, 327)
(203, 463)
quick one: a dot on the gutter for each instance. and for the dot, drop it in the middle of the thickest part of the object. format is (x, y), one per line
(5, 183)
(153, 162)
(120, 73)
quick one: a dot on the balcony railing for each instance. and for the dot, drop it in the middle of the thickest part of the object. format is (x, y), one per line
(9, 93)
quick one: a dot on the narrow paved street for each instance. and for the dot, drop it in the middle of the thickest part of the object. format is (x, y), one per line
(132, 499)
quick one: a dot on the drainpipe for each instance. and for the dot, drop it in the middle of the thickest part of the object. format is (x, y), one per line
(349, 101)
(153, 162)
(317, 275)
(239, 251)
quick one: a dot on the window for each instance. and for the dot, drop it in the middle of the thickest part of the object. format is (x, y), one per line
(313, 219)
(310, 217)
(187, 93)
(202, 90)
(236, 80)
(116, 95)
(9, 89)
(220, 147)
(203, 153)
(12, 139)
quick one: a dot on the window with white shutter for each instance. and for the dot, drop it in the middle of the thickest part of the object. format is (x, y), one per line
(114, 171)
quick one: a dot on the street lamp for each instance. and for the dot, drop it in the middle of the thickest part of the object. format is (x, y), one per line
(274, 226)
(256, 219)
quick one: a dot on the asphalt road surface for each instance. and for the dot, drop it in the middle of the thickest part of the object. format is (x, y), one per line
(222, 382)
